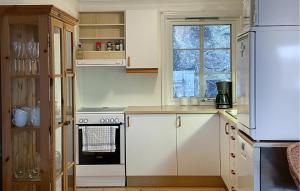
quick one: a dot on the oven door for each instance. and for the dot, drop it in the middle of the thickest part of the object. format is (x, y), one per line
(99, 158)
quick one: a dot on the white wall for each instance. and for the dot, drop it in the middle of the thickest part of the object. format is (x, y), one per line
(69, 6)
(112, 86)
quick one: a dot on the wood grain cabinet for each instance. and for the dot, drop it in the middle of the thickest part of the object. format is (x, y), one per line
(142, 40)
(171, 145)
(37, 96)
(228, 144)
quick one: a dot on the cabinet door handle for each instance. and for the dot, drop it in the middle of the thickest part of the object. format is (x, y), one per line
(128, 124)
(128, 61)
(233, 172)
(232, 138)
(178, 121)
(226, 128)
(232, 155)
(66, 123)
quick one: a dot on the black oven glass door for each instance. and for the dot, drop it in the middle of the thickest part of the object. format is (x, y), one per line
(96, 158)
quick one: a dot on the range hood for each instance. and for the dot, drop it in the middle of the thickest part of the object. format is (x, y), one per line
(101, 62)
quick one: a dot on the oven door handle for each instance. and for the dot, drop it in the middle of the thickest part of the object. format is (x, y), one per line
(117, 126)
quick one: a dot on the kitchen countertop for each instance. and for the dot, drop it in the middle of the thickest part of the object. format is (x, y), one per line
(178, 109)
(170, 109)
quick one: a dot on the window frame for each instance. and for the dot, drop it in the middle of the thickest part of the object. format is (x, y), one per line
(167, 56)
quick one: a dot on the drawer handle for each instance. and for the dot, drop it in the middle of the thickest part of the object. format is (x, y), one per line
(128, 124)
(232, 138)
(128, 61)
(232, 155)
(233, 172)
(226, 128)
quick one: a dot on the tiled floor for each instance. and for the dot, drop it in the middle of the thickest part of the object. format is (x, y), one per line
(152, 189)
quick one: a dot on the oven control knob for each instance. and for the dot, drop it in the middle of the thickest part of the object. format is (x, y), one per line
(106, 120)
(80, 120)
(112, 120)
(117, 120)
(85, 120)
(102, 120)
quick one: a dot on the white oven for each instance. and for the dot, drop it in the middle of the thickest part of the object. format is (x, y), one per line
(100, 147)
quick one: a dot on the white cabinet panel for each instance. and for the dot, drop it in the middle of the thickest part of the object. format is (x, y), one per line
(142, 38)
(224, 150)
(151, 145)
(198, 151)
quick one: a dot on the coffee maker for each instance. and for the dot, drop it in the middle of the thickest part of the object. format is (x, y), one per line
(224, 97)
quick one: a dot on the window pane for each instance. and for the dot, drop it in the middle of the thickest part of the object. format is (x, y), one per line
(210, 83)
(217, 61)
(217, 36)
(186, 37)
(186, 66)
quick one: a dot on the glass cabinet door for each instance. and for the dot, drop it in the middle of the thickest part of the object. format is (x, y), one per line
(24, 100)
(58, 104)
(70, 108)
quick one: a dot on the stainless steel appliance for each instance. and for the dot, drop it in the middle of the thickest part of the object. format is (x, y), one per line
(101, 168)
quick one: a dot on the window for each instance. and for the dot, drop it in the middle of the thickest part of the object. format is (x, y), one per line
(201, 57)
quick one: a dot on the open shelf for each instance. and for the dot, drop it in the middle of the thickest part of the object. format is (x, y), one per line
(101, 38)
(25, 76)
(100, 25)
(103, 54)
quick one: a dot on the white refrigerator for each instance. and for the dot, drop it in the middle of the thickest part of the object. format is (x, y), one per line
(268, 82)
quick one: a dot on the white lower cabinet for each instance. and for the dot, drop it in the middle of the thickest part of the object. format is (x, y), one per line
(228, 136)
(198, 151)
(170, 145)
(151, 145)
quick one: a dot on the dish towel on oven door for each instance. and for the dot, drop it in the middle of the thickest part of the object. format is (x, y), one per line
(99, 139)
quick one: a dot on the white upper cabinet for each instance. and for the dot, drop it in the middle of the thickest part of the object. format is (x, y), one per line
(198, 151)
(151, 145)
(142, 39)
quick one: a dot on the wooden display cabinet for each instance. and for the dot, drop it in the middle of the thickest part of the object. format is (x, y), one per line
(101, 27)
(37, 98)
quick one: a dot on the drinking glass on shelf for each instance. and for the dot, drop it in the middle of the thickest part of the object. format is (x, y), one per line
(29, 54)
(17, 54)
(36, 166)
(35, 56)
(19, 170)
(23, 57)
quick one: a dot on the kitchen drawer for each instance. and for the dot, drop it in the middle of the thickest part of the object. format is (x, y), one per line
(233, 179)
(233, 161)
(232, 144)
(233, 130)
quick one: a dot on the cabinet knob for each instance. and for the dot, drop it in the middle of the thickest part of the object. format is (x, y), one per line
(233, 127)
(232, 138)
(232, 155)
(233, 172)
(232, 188)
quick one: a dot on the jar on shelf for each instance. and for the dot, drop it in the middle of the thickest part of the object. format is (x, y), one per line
(98, 46)
(109, 46)
(117, 46)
